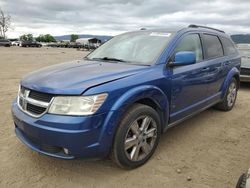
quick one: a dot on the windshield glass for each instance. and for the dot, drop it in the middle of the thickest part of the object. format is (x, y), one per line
(245, 60)
(136, 48)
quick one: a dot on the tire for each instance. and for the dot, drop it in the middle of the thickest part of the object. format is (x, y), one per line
(242, 181)
(230, 97)
(141, 142)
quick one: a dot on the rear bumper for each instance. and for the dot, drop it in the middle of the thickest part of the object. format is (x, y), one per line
(245, 78)
(83, 137)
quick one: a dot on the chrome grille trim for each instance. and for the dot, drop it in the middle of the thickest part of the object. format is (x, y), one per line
(23, 96)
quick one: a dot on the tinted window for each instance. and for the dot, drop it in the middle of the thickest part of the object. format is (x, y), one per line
(191, 43)
(212, 46)
(229, 47)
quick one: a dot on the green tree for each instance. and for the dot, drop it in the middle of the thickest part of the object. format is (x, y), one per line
(45, 38)
(27, 37)
(49, 38)
(40, 38)
(74, 37)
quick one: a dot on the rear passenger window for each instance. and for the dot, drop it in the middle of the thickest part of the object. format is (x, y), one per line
(229, 47)
(191, 43)
(213, 46)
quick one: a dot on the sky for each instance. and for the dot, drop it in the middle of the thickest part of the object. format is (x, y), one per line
(112, 17)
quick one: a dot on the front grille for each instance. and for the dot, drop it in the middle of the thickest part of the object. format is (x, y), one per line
(245, 71)
(33, 102)
(38, 144)
(51, 149)
(45, 97)
(37, 110)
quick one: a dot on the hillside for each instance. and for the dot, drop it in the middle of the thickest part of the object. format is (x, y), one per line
(241, 38)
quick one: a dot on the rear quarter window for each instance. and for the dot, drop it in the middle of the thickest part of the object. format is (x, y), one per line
(213, 47)
(229, 47)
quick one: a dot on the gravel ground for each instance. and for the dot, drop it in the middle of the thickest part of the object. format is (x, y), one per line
(210, 150)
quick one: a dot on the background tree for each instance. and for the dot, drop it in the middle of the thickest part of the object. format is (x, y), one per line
(45, 38)
(74, 37)
(5, 21)
(27, 37)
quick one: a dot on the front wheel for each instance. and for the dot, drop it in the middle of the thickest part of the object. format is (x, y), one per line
(137, 137)
(230, 97)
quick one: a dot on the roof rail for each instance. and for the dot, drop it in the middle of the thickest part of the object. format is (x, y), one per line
(197, 26)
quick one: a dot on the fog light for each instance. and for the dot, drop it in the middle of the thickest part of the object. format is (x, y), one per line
(66, 151)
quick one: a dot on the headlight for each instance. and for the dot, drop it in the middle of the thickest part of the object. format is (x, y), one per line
(77, 105)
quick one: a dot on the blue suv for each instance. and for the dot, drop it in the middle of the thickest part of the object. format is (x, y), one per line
(119, 99)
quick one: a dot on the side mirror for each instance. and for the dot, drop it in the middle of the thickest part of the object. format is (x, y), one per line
(184, 58)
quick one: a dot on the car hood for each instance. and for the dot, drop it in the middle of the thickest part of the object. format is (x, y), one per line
(75, 77)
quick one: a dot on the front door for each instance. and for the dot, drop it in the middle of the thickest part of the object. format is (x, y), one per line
(189, 82)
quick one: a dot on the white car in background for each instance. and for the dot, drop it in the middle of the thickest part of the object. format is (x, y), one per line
(16, 43)
(245, 62)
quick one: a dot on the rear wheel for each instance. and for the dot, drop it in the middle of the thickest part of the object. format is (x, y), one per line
(137, 137)
(230, 97)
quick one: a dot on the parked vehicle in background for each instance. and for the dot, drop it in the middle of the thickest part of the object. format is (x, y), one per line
(31, 44)
(245, 63)
(88, 43)
(5, 43)
(16, 43)
(120, 98)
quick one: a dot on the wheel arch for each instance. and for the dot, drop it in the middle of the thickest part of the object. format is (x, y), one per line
(233, 73)
(148, 95)
(237, 77)
(153, 104)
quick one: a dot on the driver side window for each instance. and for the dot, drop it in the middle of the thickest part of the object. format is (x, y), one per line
(191, 43)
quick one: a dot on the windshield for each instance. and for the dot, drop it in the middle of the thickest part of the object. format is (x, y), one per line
(245, 60)
(136, 48)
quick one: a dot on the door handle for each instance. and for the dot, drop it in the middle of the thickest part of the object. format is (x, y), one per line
(227, 63)
(205, 69)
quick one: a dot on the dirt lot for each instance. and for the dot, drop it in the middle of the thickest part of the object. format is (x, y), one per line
(213, 148)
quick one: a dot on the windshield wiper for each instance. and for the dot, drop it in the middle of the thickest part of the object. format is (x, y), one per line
(115, 60)
(109, 59)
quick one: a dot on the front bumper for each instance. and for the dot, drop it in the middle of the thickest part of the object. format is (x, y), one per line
(85, 137)
(245, 78)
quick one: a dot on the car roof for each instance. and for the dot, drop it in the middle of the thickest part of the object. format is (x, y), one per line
(193, 28)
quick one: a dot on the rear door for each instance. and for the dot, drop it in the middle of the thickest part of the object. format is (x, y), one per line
(217, 63)
(231, 54)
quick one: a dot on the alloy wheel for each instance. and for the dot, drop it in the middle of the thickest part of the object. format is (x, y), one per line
(140, 138)
(231, 96)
